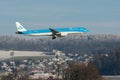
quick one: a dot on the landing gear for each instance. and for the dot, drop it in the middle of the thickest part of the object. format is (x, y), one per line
(53, 37)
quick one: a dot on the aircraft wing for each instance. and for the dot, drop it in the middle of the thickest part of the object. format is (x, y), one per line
(54, 33)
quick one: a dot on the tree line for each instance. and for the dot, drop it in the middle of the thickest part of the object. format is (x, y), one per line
(88, 44)
(108, 64)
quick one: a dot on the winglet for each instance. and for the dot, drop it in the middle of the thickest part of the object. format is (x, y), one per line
(20, 28)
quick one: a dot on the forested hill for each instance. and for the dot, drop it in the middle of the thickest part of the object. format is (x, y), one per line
(102, 43)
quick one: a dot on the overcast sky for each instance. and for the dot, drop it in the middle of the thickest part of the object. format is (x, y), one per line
(99, 16)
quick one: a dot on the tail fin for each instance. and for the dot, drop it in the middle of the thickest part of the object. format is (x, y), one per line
(20, 28)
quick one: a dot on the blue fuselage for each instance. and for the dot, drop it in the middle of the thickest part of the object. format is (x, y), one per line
(60, 30)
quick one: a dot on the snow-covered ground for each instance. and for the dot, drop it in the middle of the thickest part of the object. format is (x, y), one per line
(9, 54)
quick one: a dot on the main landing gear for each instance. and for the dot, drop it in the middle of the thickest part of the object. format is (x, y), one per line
(53, 37)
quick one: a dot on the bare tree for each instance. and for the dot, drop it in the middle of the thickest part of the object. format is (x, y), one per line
(81, 71)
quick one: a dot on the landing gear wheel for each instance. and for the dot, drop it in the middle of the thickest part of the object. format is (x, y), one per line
(53, 37)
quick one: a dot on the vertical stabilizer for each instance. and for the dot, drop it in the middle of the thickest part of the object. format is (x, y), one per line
(20, 28)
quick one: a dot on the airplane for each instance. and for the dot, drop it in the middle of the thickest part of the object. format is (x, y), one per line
(54, 32)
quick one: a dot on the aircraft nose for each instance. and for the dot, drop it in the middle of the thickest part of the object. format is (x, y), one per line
(85, 30)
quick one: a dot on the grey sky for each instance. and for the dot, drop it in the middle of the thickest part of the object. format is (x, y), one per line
(99, 16)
